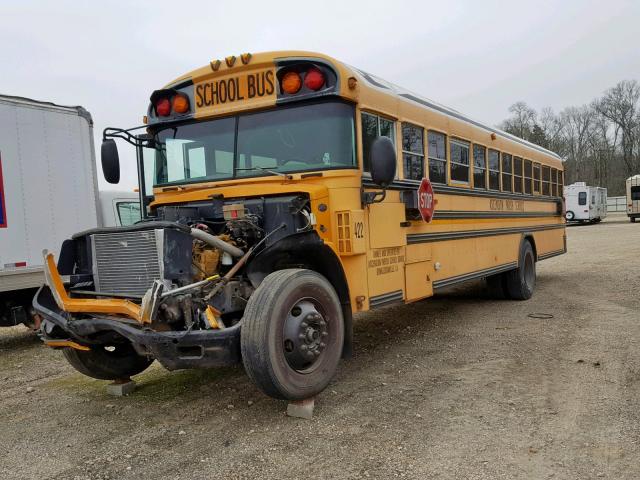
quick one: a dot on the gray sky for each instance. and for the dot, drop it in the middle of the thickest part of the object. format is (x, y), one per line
(476, 56)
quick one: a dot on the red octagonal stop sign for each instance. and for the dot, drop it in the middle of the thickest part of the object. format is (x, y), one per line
(426, 202)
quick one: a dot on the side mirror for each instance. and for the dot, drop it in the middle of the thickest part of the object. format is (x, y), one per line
(110, 161)
(382, 161)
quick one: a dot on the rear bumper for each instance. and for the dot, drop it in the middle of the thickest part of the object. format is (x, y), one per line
(174, 350)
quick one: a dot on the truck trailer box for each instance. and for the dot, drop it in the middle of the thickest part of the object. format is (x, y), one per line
(48, 191)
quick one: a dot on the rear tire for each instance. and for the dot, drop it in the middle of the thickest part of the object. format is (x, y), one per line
(569, 216)
(292, 334)
(105, 362)
(522, 281)
(632, 219)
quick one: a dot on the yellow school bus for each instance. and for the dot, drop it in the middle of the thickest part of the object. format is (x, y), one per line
(283, 192)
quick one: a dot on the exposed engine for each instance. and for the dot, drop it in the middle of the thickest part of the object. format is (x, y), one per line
(199, 280)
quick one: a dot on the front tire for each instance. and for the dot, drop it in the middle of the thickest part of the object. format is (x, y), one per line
(108, 362)
(292, 334)
(522, 281)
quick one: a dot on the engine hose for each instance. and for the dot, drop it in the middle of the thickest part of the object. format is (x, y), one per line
(216, 242)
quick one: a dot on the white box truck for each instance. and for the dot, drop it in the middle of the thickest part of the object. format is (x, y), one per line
(585, 203)
(633, 197)
(48, 191)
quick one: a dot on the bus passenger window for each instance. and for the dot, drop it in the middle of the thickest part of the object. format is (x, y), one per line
(546, 177)
(437, 157)
(528, 175)
(517, 174)
(479, 166)
(459, 160)
(494, 170)
(374, 126)
(506, 172)
(582, 198)
(554, 182)
(413, 151)
(536, 178)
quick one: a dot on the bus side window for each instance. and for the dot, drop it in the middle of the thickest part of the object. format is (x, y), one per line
(479, 166)
(413, 151)
(494, 170)
(506, 173)
(554, 182)
(437, 151)
(528, 175)
(374, 126)
(459, 151)
(517, 174)
(546, 177)
(582, 198)
(536, 178)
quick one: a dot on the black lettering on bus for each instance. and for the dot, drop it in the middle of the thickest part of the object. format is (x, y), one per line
(261, 85)
(231, 89)
(269, 78)
(238, 91)
(222, 92)
(199, 98)
(251, 86)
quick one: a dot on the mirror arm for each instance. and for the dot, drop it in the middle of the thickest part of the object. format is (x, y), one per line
(372, 197)
(124, 134)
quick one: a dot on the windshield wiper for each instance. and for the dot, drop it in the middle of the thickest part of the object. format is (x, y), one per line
(272, 172)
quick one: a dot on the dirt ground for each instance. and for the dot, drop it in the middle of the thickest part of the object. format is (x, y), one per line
(460, 386)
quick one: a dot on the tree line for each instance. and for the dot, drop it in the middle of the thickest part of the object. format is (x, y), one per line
(600, 142)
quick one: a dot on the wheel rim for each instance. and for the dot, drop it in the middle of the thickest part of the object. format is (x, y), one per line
(529, 271)
(306, 335)
(569, 215)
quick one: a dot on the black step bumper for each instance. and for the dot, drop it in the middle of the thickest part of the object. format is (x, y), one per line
(174, 350)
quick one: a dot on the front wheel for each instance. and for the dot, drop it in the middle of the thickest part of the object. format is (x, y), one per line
(521, 281)
(292, 334)
(107, 362)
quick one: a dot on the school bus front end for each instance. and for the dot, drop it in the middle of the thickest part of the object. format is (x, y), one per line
(243, 256)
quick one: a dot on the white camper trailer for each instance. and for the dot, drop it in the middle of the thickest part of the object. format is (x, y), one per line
(584, 203)
(633, 197)
(48, 191)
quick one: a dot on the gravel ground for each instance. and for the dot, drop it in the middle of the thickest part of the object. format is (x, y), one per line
(460, 386)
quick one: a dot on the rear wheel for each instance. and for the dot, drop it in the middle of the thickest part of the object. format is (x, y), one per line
(292, 334)
(107, 362)
(521, 281)
(632, 219)
(569, 215)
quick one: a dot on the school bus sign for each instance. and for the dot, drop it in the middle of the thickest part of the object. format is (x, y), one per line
(426, 202)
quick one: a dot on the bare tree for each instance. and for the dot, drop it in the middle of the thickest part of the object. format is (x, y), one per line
(620, 106)
(521, 122)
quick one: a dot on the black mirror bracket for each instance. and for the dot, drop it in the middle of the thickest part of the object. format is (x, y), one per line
(124, 134)
(372, 197)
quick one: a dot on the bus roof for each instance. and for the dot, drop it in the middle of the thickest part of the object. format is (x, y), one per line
(373, 82)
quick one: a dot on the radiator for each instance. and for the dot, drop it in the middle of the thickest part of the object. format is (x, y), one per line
(127, 263)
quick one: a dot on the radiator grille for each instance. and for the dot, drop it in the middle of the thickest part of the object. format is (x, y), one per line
(127, 262)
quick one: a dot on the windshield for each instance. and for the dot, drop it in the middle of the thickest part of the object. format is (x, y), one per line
(285, 140)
